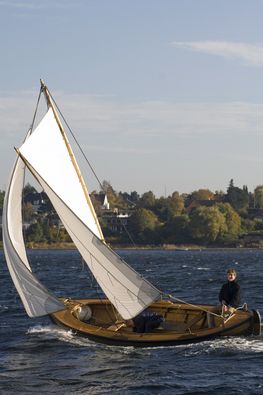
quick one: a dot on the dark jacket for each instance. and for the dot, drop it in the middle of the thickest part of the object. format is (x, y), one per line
(231, 294)
(146, 322)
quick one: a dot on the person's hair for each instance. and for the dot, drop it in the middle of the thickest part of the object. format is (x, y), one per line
(231, 271)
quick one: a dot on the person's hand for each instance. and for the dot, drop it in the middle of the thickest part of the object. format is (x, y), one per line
(225, 308)
(231, 309)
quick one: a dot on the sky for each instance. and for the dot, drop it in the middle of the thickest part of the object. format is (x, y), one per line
(162, 95)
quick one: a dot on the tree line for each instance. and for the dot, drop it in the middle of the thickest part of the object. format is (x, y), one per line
(202, 217)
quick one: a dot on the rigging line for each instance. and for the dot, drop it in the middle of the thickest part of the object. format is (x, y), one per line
(76, 141)
(129, 235)
(24, 178)
(28, 134)
(193, 305)
(35, 113)
(23, 205)
(98, 290)
(38, 178)
(88, 162)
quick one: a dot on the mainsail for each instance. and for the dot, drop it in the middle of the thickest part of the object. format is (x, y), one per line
(36, 298)
(47, 157)
(46, 150)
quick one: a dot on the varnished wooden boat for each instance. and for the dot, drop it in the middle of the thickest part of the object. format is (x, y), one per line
(182, 324)
(47, 154)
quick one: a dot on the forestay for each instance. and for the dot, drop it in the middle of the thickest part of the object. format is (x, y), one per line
(125, 288)
(36, 298)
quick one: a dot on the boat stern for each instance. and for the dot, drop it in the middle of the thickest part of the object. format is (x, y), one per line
(256, 323)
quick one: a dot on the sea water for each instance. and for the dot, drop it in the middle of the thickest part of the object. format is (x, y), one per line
(37, 357)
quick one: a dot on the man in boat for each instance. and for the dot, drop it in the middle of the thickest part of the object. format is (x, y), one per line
(230, 293)
(145, 322)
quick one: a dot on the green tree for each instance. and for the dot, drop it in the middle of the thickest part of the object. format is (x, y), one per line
(247, 225)
(202, 194)
(207, 224)
(134, 197)
(258, 196)
(28, 212)
(2, 196)
(115, 199)
(176, 230)
(161, 209)
(143, 219)
(46, 231)
(131, 199)
(28, 189)
(96, 202)
(167, 208)
(237, 197)
(233, 222)
(175, 204)
(147, 200)
(35, 233)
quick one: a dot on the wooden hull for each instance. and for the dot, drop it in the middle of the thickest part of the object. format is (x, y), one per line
(182, 324)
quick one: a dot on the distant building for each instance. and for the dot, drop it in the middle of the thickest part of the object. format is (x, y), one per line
(100, 200)
(115, 221)
(38, 200)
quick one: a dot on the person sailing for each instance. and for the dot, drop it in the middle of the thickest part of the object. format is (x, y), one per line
(230, 293)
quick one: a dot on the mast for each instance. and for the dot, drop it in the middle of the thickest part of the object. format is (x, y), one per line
(129, 292)
(72, 157)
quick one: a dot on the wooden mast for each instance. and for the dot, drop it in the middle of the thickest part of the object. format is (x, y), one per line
(72, 157)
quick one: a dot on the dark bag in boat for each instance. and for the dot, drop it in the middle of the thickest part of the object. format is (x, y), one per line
(146, 322)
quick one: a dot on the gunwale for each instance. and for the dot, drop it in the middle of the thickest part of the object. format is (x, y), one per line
(241, 323)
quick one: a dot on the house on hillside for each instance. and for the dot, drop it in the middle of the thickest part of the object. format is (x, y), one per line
(37, 200)
(116, 221)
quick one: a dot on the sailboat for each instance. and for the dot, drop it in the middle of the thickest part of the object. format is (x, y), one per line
(47, 154)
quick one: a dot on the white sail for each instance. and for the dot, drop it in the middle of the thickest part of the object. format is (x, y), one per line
(124, 287)
(36, 299)
(46, 151)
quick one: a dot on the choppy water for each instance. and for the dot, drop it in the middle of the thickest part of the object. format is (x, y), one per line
(37, 357)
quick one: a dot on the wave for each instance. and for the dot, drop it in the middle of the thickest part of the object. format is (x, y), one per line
(50, 332)
(227, 346)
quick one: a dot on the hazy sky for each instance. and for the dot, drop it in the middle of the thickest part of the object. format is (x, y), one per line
(163, 95)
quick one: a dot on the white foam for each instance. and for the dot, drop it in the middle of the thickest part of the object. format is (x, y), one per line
(228, 344)
(221, 345)
(54, 332)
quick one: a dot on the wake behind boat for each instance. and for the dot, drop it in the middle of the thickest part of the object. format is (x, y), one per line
(47, 154)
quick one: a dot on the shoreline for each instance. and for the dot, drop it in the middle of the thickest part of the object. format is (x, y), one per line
(164, 247)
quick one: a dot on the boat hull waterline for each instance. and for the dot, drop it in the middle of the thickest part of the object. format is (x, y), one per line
(182, 324)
